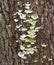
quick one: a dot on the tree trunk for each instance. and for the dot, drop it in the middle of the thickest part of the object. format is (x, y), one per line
(45, 10)
(8, 55)
(8, 46)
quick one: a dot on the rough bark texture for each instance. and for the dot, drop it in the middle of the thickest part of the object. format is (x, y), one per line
(45, 10)
(8, 46)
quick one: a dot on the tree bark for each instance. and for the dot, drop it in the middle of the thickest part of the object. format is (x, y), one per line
(8, 46)
(45, 10)
(8, 55)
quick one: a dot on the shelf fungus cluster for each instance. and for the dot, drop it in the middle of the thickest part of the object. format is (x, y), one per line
(26, 26)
